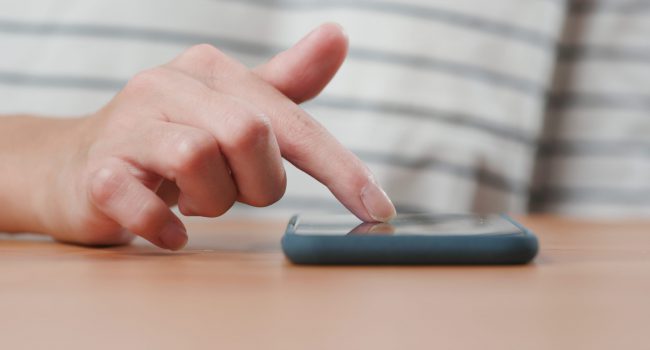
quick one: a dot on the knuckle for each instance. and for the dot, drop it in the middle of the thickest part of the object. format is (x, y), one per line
(225, 203)
(273, 194)
(144, 82)
(203, 56)
(279, 190)
(104, 184)
(250, 131)
(219, 204)
(203, 50)
(192, 150)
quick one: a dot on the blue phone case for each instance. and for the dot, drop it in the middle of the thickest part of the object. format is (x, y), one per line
(520, 247)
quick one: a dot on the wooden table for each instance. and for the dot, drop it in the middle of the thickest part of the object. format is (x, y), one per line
(231, 288)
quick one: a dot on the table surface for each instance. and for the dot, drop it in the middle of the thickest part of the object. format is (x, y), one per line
(232, 288)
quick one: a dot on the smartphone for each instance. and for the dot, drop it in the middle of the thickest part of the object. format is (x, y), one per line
(409, 239)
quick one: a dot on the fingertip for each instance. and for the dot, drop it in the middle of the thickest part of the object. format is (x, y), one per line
(332, 39)
(376, 202)
(330, 31)
(335, 31)
(173, 236)
(303, 71)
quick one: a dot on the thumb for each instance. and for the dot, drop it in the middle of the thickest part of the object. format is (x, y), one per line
(302, 71)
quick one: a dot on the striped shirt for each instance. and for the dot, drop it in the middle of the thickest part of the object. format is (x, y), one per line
(456, 105)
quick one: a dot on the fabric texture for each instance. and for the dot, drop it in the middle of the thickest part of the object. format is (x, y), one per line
(456, 105)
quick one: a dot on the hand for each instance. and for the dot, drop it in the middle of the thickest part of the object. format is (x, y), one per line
(204, 131)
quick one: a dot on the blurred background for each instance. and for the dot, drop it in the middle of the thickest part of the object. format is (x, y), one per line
(456, 105)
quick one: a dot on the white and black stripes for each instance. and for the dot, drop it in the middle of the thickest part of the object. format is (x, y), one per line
(429, 12)
(261, 49)
(456, 105)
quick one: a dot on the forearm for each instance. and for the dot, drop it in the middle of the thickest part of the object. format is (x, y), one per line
(31, 150)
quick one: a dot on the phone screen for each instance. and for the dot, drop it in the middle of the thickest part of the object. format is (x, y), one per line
(407, 224)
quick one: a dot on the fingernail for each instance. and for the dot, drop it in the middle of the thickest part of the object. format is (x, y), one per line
(341, 28)
(320, 27)
(312, 32)
(377, 203)
(173, 236)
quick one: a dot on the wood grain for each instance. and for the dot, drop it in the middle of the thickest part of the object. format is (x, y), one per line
(231, 288)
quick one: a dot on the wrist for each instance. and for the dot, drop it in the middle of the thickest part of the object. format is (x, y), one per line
(36, 152)
(57, 184)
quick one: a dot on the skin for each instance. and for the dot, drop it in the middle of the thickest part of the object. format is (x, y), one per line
(202, 132)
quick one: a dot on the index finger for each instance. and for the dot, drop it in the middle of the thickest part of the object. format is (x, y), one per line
(303, 141)
(309, 146)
